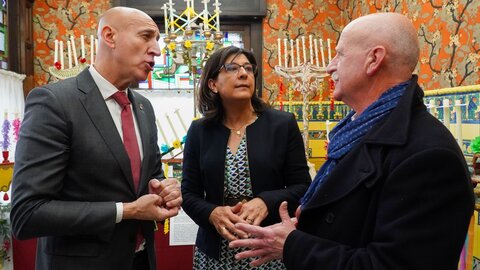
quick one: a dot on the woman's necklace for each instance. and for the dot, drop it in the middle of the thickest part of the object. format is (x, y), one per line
(239, 131)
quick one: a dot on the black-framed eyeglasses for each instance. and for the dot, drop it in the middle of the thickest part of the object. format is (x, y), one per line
(234, 68)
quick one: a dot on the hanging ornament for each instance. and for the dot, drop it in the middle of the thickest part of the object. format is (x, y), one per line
(332, 100)
(5, 197)
(280, 96)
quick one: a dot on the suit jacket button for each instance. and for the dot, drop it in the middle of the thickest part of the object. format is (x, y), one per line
(329, 218)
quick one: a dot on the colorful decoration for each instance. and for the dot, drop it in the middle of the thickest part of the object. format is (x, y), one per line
(5, 233)
(166, 226)
(5, 132)
(280, 95)
(475, 145)
(16, 128)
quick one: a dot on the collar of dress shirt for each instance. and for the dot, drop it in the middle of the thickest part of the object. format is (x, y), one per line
(107, 89)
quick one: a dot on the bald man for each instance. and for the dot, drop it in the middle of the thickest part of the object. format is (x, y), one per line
(87, 179)
(395, 191)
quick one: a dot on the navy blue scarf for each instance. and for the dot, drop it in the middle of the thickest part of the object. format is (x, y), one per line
(348, 133)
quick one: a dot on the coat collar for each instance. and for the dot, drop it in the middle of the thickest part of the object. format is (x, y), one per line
(357, 167)
(394, 130)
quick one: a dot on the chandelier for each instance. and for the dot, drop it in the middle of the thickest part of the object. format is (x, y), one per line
(191, 37)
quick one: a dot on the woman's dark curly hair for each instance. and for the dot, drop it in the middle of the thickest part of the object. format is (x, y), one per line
(210, 104)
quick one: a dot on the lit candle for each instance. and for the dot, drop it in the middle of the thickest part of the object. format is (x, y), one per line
(291, 52)
(329, 51)
(315, 41)
(278, 52)
(310, 41)
(82, 44)
(285, 51)
(458, 118)
(304, 50)
(74, 50)
(173, 129)
(446, 113)
(323, 54)
(61, 55)
(91, 49)
(298, 51)
(69, 54)
(164, 7)
(163, 135)
(55, 55)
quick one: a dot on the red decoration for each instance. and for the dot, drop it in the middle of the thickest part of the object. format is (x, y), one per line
(83, 60)
(57, 65)
(5, 197)
(332, 87)
(280, 95)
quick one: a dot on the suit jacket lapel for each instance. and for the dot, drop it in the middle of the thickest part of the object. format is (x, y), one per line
(98, 112)
(139, 113)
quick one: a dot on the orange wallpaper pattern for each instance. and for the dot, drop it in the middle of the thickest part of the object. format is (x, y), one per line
(59, 19)
(449, 33)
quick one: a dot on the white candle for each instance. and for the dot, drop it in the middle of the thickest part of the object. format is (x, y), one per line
(170, 4)
(69, 54)
(82, 44)
(96, 47)
(298, 51)
(55, 55)
(205, 11)
(446, 113)
(458, 118)
(173, 129)
(163, 135)
(329, 51)
(323, 54)
(61, 55)
(310, 41)
(278, 52)
(188, 13)
(304, 50)
(291, 52)
(431, 106)
(315, 41)
(74, 50)
(91, 49)
(177, 112)
(217, 11)
(285, 52)
(165, 19)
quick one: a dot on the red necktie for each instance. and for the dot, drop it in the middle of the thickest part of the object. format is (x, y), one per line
(129, 136)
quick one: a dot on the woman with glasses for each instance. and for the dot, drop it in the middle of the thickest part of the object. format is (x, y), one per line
(241, 160)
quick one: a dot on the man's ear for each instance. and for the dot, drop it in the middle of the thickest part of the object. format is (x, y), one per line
(375, 59)
(109, 36)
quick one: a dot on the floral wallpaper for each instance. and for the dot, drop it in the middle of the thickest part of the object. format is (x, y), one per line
(59, 19)
(448, 30)
(449, 33)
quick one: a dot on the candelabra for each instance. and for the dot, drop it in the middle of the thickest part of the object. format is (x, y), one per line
(192, 37)
(305, 76)
(75, 65)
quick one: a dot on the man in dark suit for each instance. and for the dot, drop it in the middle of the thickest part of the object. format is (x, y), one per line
(87, 171)
(395, 191)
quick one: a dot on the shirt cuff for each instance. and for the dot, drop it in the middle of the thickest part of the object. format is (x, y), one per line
(119, 217)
